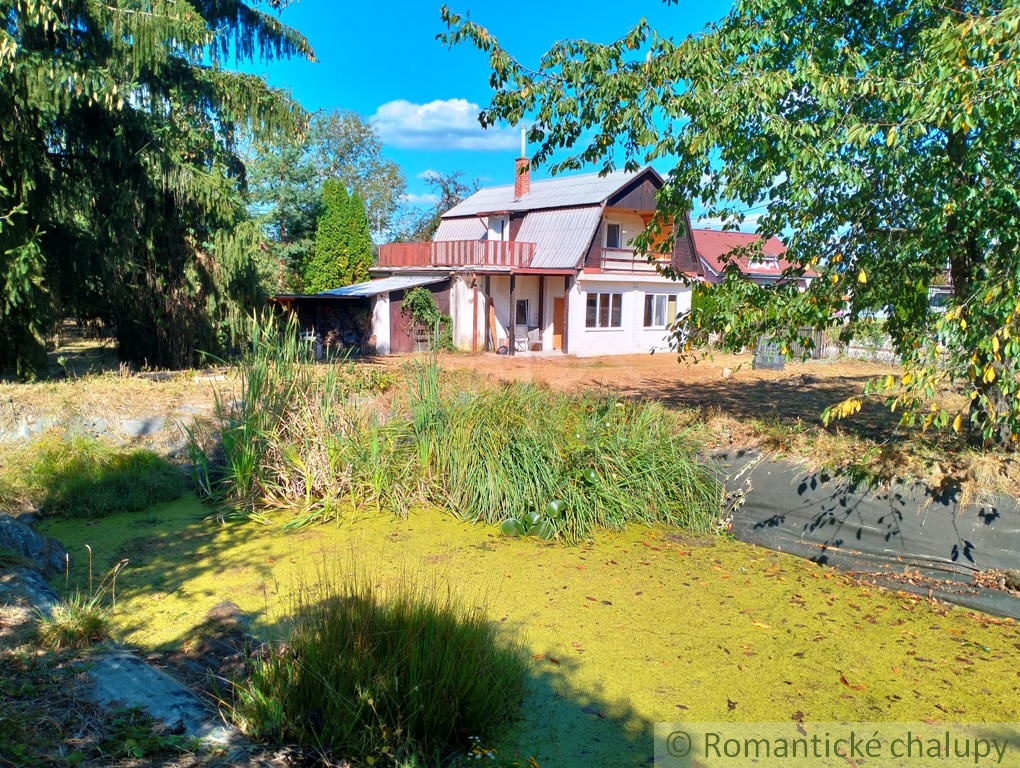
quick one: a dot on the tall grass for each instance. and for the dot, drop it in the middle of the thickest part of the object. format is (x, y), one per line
(298, 440)
(406, 676)
(84, 618)
(79, 476)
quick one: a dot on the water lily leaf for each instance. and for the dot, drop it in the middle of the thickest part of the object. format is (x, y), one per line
(513, 527)
(590, 476)
(544, 530)
(555, 509)
(532, 517)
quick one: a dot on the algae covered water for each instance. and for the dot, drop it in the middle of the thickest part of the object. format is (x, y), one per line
(624, 631)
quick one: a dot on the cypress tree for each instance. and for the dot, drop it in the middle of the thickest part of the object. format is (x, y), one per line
(328, 265)
(360, 253)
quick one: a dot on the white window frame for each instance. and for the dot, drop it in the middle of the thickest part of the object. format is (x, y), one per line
(660, 308)
(619, 236)
(613, 298)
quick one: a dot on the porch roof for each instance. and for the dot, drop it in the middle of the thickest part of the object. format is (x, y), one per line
(384, 285)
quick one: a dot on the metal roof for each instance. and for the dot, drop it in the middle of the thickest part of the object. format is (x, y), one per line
(558, 192)
(561, 236)
(460, 229)
(383, 285)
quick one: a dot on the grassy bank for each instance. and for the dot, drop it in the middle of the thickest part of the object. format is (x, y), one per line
(638, 627)
(314, 443)
(81, 477)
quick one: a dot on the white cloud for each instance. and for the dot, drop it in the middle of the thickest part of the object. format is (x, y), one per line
(440, 125)
(428, 174)
(750, 223)
(427, 199)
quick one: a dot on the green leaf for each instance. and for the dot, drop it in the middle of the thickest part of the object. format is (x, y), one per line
(513, 527)
(555, 509)
(544, 530)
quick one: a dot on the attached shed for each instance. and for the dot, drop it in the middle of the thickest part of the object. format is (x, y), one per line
(364, 318)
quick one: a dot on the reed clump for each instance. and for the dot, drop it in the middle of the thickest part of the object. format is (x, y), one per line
(307, 440)
(405, 676)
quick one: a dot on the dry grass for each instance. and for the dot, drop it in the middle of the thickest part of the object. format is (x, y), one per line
(776, 411)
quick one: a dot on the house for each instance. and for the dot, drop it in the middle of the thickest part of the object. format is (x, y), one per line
(536, 266)
(547, 265)
(713, 246)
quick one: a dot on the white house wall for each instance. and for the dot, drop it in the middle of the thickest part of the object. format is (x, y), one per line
(381, 323)
(632, 337)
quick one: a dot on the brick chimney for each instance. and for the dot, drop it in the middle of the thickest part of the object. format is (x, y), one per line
(522, 177)
(522, 170)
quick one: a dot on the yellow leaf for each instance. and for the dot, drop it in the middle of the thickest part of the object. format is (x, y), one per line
(963, 325)
(989, 375)
(760, 625)
(862, 277)
(957, 422)
(370, 760)
(889, 382)
(995, 343)
(906, 378)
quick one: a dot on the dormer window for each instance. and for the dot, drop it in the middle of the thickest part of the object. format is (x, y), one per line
(613, 236)
(498, 228)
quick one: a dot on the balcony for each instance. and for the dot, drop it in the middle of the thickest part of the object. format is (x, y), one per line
(457, 253)
(625, 260)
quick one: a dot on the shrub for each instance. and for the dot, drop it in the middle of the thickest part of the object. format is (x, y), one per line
(410, 674)
(82, 477)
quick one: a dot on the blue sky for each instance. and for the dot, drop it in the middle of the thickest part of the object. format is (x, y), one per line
(382, 60)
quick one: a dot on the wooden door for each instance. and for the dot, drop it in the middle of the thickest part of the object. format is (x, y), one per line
(558, 310)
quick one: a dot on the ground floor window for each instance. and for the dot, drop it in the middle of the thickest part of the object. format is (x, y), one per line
(604, 310)
(660, 310)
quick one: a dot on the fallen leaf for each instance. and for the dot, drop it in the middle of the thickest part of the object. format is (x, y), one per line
(760, 625)
(731, 704)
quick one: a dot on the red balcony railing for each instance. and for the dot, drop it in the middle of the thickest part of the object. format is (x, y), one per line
(457, 253)
(625, 260)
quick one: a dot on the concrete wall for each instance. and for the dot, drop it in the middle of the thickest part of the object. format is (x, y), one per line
(631, 337)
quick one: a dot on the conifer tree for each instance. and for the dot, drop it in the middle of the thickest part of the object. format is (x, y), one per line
(328, 267)
(119, 176)
(360, 252)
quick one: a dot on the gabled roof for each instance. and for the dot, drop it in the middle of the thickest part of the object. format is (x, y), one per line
(558, 192)
(713, 245)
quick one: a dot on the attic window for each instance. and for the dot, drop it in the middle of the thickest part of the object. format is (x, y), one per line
(612, 235)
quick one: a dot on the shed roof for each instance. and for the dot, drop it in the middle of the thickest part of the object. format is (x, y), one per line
(559, 192)
(384, 285)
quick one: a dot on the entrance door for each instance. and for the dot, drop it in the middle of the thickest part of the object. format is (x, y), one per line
(558, 309)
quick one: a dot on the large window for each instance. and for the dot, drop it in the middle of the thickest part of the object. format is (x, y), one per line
(613, 236)
(604, 310)
(660, 310)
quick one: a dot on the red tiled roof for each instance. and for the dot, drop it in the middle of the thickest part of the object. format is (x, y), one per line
(712, 245)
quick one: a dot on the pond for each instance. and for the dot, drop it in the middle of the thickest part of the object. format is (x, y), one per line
(635, 627)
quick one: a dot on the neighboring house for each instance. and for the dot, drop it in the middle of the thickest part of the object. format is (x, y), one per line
(545, 265)
(713, 246)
